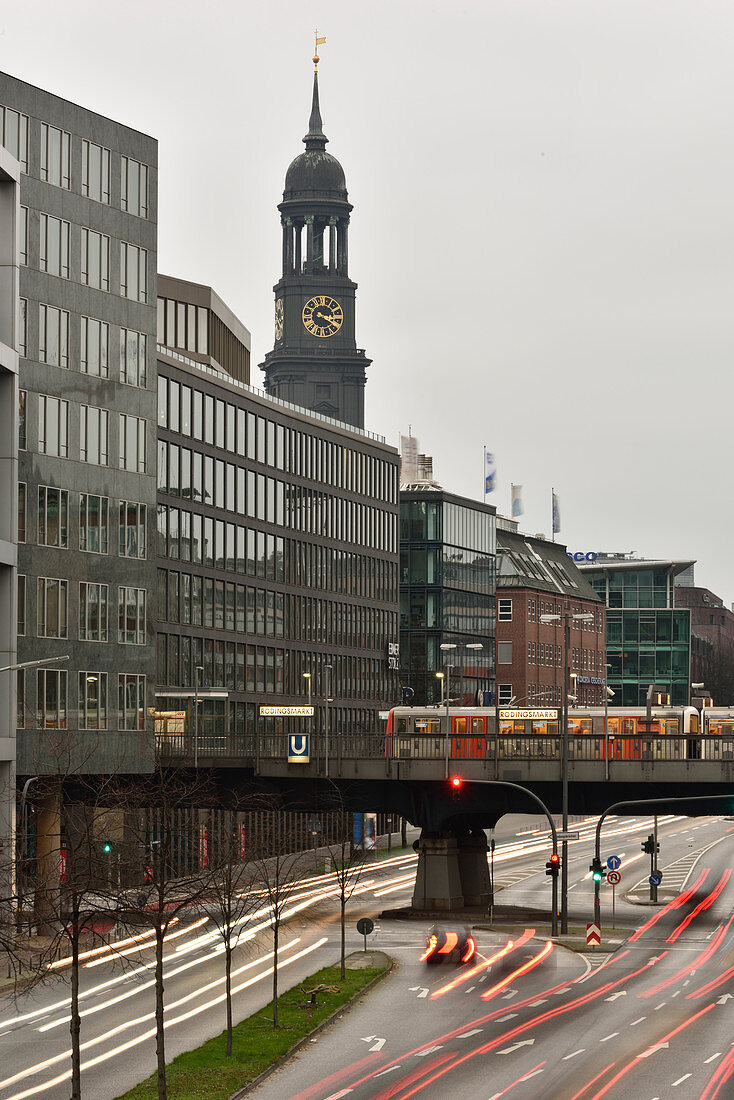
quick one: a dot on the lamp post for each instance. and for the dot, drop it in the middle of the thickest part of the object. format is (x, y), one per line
(577, 616)
(449, 647)
(307, 678)
(441, 676)
(608, 694)
(327, 716)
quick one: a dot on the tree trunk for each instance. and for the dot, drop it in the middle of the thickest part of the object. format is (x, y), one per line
(75, 1023)
(276, 928)
(160, 1042)
(344, 937)
(228, 989)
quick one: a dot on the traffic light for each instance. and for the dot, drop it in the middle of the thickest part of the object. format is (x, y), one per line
(553, 865)
(649, 847)
(408, 695)
(106, 847)
(598, 872)
(456, 784)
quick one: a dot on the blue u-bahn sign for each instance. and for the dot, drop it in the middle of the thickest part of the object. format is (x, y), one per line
(298, 748)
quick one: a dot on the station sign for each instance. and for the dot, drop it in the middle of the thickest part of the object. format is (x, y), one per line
(298, 748)
(286, 712)
(542, 714)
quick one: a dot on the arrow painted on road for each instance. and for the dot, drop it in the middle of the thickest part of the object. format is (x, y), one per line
(619, 993)
(428, 1050)
(512, 1049)
(378, 1043)
(653, 1050)
(415, 988)
(724, 999)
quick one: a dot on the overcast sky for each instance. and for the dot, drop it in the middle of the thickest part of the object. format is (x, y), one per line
(542, 230)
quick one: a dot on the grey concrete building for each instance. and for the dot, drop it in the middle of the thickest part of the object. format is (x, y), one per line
(86, 415)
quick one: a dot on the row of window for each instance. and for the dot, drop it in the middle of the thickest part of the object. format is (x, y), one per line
(551, 656)
(94, 433)
(56, 161)
(544, 607)
(203, 601)
(216, 544)
(239, 666)
(55, 255)
(230, 428)
(56, 346)
(94, 708)
(212, 481)
(52, 611)
(52, 522)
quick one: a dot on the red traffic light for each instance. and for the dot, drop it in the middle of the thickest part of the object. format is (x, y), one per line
(456, 782)
(555, 859)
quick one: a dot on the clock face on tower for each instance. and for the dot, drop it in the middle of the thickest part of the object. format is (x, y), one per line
(322, 316)
(278, 318)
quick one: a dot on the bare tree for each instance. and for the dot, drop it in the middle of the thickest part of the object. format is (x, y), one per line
(347, 864)
(278, 869)
(232, 898)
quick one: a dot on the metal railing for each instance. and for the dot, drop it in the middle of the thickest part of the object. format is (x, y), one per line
(248, 748)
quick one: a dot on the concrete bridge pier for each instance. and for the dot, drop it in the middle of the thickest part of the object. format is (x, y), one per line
(452, 872)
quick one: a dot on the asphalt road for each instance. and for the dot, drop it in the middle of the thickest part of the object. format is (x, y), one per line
(651, 1019)
(117, 999)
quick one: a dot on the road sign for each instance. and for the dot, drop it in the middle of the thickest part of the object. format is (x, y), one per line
(365, 926)
(655, 878)
(614, 863)
(298, 748)
(614, 878)
(286, 712)
(564, 836)
(593, 935)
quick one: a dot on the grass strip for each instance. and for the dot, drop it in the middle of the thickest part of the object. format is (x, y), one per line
(208, 1074)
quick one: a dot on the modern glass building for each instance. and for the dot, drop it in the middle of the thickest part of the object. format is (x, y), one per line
(447, 594)
(648, 637)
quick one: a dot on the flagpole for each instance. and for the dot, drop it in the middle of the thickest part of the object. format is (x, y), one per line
(484, 474)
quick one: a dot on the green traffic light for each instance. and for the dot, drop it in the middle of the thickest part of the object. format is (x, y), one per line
(107, 847)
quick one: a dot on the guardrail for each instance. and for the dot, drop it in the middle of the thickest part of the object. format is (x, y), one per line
(250, 749)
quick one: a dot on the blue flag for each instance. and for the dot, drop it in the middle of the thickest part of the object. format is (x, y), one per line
(490, 473)
(517, 505)
(556, 513)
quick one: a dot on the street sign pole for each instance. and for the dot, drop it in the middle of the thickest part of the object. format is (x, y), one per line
(614, 906)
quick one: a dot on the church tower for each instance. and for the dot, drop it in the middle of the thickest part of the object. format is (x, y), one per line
(315, 362)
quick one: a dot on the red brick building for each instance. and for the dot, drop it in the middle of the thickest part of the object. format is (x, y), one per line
(712, 641)
(536, 578)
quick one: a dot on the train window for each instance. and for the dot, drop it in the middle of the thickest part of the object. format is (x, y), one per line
(401, 725)
(613, 726)
(505, 729)
(694, 723)
(478, 725)
(628, 727)
(460, 725)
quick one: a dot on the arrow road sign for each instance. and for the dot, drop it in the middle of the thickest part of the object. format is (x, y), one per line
(614, 878)
(593, 935)
(655, 878)
(614, 863)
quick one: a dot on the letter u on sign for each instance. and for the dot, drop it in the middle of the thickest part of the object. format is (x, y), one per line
(298, 748)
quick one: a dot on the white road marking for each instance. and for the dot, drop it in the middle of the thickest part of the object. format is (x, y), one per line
(534, 1004)
(378, 1044)
(533, 1074)
(466, 1034)
(509, 1016)
(509, 994)
(428, 1050)
(338, 1095)
(470, 989)
(661, 1005)
(614, 996)
(654, 1049)
(390, 1069)
(421, 990)
(681, 1080)
(516, 1046)
(567, 1057)
(607, 1037)
(638, 1021)
(712, 1058)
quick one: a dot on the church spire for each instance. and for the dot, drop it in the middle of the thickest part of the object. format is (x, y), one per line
(316, 138)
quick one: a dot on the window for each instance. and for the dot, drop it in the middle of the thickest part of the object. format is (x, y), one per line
(504, 611)
(134, 187)
(93, 435)
(132, 443)
(21, 511)
(504, 653)
(55, 156)
(52, 607)
(55, 246)
(92, 700)
(92, 612)
(23, 235)
(131, 701)
(53, 426)
(132, 529)
(22, 429)
(53, 336)
(51, 698)
(95, 259)
(53, 508)
(95, 172)
(21, 604)
(93, 523)
(14, 134)
(131, 616)
(504, 694)
(133, 272)
(23, 329)
(133, 347)
(94, 345)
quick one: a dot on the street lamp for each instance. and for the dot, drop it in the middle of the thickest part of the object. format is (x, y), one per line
(441, 676)
(327, 716)
(197, 670)
(576, 616)
(307, 678)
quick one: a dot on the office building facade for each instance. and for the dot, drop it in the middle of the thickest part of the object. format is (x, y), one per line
(447, 595)
(86, 434)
